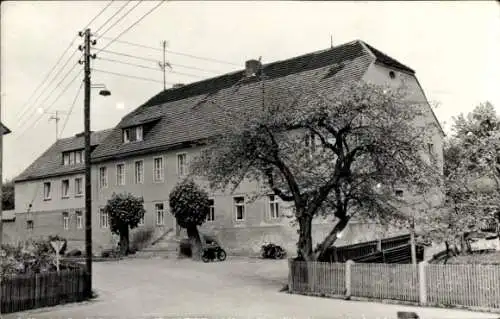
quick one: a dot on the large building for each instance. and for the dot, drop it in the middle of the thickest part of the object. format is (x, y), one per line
(50, 192)
(149, 151)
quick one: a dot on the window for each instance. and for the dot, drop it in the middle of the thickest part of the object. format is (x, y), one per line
(310, 142)
(182, 164)
(132, 134)
(120, 174)
(430, 148)
(139, 172)
(78, 186)
(160, 214)
(46, 190)
(73, 157)
(392, 75)
(65, 188)
(399, 193)
(29, 225)
(79, 219)
(79, 157)
(103, 218)
(65, 220)
(274, 207)
(142, 221)
(103, 177)
(66, 157)
(158, 169)
(211, 210)
(239, 207)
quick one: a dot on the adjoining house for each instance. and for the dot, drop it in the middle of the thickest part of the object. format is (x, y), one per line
(50, 192)
(149, 151)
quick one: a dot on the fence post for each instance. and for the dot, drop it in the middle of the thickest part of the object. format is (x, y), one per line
(290, 275)
(379, 245)
(348, 268)
(422, 283)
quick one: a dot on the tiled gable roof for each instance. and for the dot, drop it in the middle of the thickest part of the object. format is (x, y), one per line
(50, 162)
(387, 60)
(196, 111)
(4, 129)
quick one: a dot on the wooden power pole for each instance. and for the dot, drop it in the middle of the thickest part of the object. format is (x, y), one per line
(88, 188)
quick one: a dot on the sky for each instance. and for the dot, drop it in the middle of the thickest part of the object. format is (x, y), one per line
(454, 47)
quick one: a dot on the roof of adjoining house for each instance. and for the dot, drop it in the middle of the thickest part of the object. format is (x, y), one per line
(4, 129)
(193, 112)
(50, 163)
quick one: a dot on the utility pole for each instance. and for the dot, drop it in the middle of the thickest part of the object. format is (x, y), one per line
(88, 188)
(164, 65)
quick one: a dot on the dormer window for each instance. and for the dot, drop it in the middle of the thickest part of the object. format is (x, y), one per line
(72, 157)
(132, 134)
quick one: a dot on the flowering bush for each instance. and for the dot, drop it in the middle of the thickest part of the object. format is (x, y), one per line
(35, 256)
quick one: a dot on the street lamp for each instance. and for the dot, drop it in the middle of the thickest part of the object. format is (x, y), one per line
(104, 90)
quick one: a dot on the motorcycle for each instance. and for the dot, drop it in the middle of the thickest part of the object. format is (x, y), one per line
(272, 251)
(212, 252)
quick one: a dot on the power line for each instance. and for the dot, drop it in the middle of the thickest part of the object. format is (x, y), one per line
(53, 90)
(26, 106)
(134, 24)
(71, 108)
(128, 63)
(155, 61)
(128, 76)
(174, 52)
(52, 104)
(147, 67)
(120, 19)
(99, 14)
(114, 15)
(127, 55)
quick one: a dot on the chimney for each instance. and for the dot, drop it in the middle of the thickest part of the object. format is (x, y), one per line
(177, 85)
(252, 67)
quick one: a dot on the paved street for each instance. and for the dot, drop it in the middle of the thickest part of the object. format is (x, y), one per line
(238, 287)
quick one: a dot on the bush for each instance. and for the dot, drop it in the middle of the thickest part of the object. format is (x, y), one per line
(35, 256)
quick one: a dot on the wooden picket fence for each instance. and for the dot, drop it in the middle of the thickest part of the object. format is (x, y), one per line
(24, 292)
(471, 286)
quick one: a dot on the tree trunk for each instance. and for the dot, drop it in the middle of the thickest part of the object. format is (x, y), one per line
(194, 238)
(124, 241)
(331, 238)
(304, 245)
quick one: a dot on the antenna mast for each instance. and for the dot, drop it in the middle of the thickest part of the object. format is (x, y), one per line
(164, 65)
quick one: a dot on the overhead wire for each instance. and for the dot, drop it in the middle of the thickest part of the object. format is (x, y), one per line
(174, 52)
(33, 124)
(99, 14)
(148, 67)
(156, 61)
(51, 92)
(71, 108)
(128, 76)
(133, 25)
(119, 19)
(26, 106)
(114, 15)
